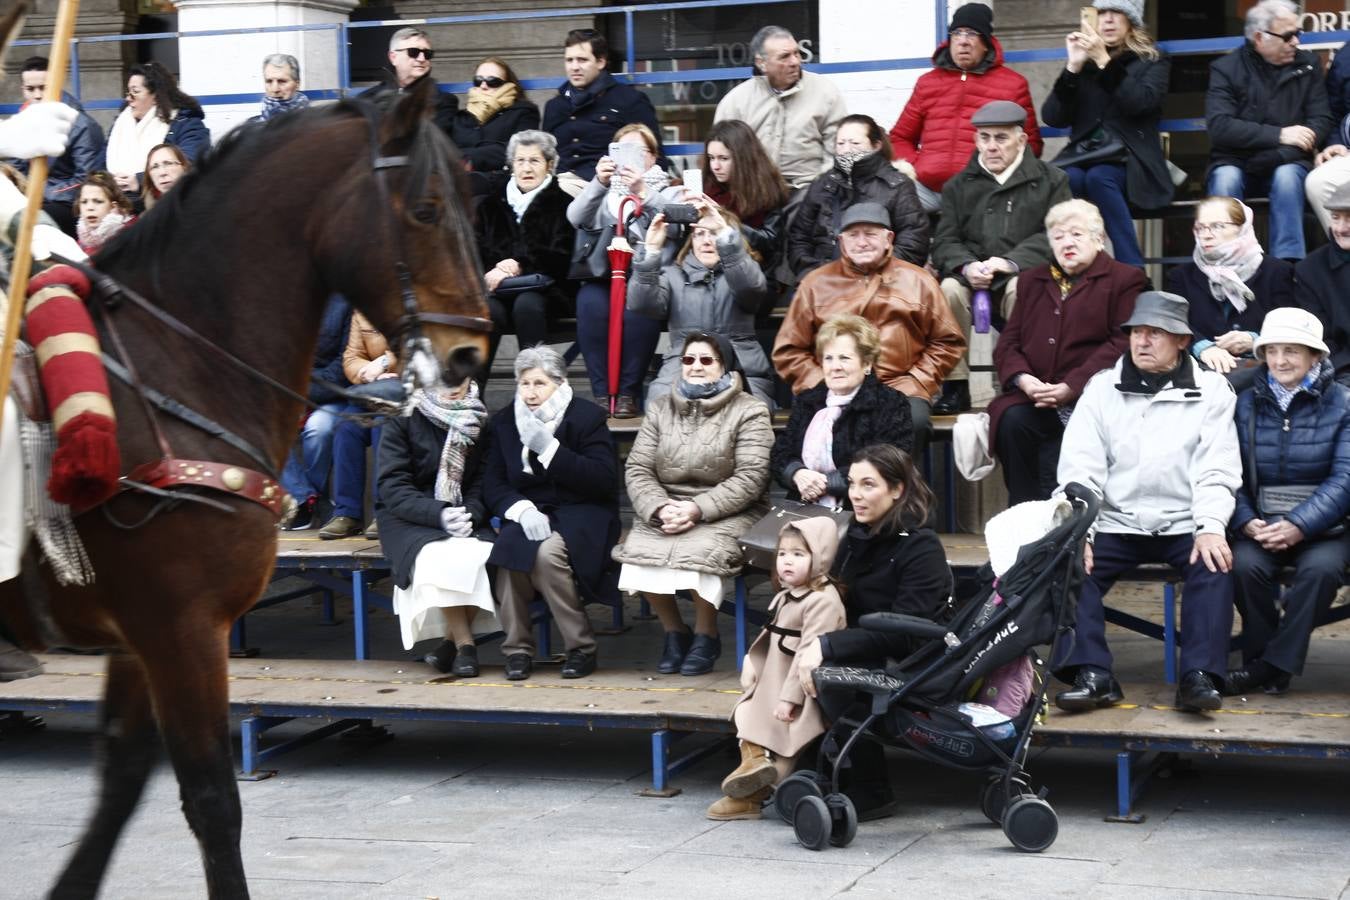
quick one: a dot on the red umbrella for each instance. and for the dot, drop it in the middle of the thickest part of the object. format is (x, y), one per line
(620, 255)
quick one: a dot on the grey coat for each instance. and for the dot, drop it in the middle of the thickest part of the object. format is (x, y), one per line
(692, 297)
(714, 452)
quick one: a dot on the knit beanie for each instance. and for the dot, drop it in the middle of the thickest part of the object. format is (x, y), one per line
(975, 16)
(1131, 9)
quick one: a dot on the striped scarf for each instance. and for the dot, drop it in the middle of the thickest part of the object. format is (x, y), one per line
(463, 420)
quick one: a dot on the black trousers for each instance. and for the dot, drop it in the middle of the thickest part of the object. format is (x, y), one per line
(1319, 567)
(1027, 444)
(526, 315)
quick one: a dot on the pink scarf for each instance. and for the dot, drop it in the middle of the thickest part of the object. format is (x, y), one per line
(1229, 265)
(818, 445)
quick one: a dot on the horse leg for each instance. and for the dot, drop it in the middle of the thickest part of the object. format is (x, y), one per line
(128, 749)
(191, 694)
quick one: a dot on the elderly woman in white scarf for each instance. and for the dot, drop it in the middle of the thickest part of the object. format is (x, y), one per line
(430, 507)
(1231, 284)
(552, 476)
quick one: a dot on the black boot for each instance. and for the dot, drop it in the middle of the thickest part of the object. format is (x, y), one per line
(954, 399)
(16, 663)
(466, 662)
(442, 659)
(673, 653)
(1197, 692)
(1092, 688)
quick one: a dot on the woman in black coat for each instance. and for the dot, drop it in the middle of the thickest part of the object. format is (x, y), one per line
(853, 408)
(430, 508)
(1110, 97)
(889, 562)
(494, 109)
(862, 173)
(525, 244)
(552, 476)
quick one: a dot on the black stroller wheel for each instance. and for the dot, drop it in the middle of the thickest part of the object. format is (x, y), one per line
(994, 800)
(811, 822)
(1030, 824)
(844, 819)
(791, 790)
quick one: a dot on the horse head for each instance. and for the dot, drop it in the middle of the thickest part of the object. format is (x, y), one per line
(439, 314)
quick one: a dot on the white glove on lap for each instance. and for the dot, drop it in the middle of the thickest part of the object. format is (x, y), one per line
(535, 525)
(456, 521)
(39, 129)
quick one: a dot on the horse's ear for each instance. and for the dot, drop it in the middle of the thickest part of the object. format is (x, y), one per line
(413, 107)
(11, 23)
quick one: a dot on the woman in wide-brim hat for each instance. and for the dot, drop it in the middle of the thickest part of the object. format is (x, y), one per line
(1294, 427)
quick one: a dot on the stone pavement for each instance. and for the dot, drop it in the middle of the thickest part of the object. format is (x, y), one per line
(446, 811)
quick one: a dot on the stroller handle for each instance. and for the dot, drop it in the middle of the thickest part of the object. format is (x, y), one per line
(899, 623)
(1085, 515)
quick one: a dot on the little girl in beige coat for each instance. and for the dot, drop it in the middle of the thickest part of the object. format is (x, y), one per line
(774, 714)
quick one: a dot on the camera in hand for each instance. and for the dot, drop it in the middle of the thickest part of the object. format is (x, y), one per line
(681, 214)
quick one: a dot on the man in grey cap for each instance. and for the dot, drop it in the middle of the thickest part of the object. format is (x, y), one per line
(1324, 281)
(1154, 438)
(992, 226)
(920, 340)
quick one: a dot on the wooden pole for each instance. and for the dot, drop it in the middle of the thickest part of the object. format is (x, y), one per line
(37, 181)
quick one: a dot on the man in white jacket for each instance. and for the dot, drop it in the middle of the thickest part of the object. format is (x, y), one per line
(1154, 437)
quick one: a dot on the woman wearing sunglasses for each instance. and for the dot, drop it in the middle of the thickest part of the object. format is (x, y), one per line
(494, 109)
(698, 478)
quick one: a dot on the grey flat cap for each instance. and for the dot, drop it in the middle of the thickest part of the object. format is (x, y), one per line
(1340, 198)
(865, 213)
(1160, 309)
(999, 112)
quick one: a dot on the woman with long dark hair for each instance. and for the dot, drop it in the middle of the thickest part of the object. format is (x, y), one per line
(738, 175)
(155, 112)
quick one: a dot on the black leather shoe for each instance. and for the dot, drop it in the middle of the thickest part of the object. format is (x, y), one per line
(1197, 692)
(954, 399)
(703, 653)
(466, 663)
(1092, 689)
(673, 653)
(518, 666)
(1242, 681)
(1279, 684)
(625, 407)
(442, 659)
(578, 664)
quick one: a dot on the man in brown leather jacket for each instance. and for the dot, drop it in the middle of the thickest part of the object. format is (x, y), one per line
(920, 340)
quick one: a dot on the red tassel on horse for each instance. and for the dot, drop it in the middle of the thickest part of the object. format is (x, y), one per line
(87, 463)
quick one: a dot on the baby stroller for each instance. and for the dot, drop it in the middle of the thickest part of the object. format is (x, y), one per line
(916, 703)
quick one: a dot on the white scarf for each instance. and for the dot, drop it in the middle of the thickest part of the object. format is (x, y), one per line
(521, 200)
(1002, 177)
(818, 444)
(130, 141)
(550, 412)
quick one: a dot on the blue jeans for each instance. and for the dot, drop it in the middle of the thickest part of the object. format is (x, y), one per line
(640, 336)
(1285, 190)
(306, 471)
(350, 441)
(1104, 185)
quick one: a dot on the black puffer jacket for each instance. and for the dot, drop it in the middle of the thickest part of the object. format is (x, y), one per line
(813, 237)
(1125, 99)
(1249, 101)
(408, 511)
(1309, 443)
(876, 415)
(541, 241)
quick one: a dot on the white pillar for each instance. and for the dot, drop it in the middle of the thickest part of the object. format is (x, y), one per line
(860, 30)
(232, 64)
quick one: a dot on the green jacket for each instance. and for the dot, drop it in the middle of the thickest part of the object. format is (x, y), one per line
(982, 218)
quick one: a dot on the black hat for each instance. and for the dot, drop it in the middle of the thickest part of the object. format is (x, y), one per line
(975, 16)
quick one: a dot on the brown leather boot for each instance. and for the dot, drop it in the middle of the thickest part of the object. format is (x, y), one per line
(16, 663)
(730, 808)
(753, 774)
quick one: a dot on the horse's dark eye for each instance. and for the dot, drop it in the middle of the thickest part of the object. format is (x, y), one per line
(427, 212)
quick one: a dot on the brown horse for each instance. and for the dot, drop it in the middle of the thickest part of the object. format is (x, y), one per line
(244, 252)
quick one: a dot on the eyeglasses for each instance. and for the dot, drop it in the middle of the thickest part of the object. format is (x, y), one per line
(1287, 37)
(531, 161)
(165, 164)
(967, 33)
(1205, 228)
(701, 360)
(418, 52)
(133, 93)
(491, 81)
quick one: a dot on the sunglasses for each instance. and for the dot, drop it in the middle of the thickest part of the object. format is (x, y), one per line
(701, 360)
(491, 81)
(1287, 37)
(418, 52)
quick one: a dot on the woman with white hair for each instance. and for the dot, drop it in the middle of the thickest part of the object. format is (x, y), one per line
(525, 244)
(1293, 425)
(1064, 329)
(552, 476)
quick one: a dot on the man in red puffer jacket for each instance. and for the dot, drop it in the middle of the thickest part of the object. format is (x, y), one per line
(933, 134)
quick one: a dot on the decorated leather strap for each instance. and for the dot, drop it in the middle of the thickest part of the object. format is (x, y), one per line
(233, 480)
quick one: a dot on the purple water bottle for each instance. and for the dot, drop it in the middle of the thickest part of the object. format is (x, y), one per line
(979, 306)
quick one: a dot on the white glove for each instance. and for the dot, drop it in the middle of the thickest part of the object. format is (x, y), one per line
(40, 129)
(535, 525)
(48, 239)
(535, 436)
(456, 521)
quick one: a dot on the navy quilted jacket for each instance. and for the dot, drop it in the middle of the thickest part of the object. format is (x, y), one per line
(1310, 444)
